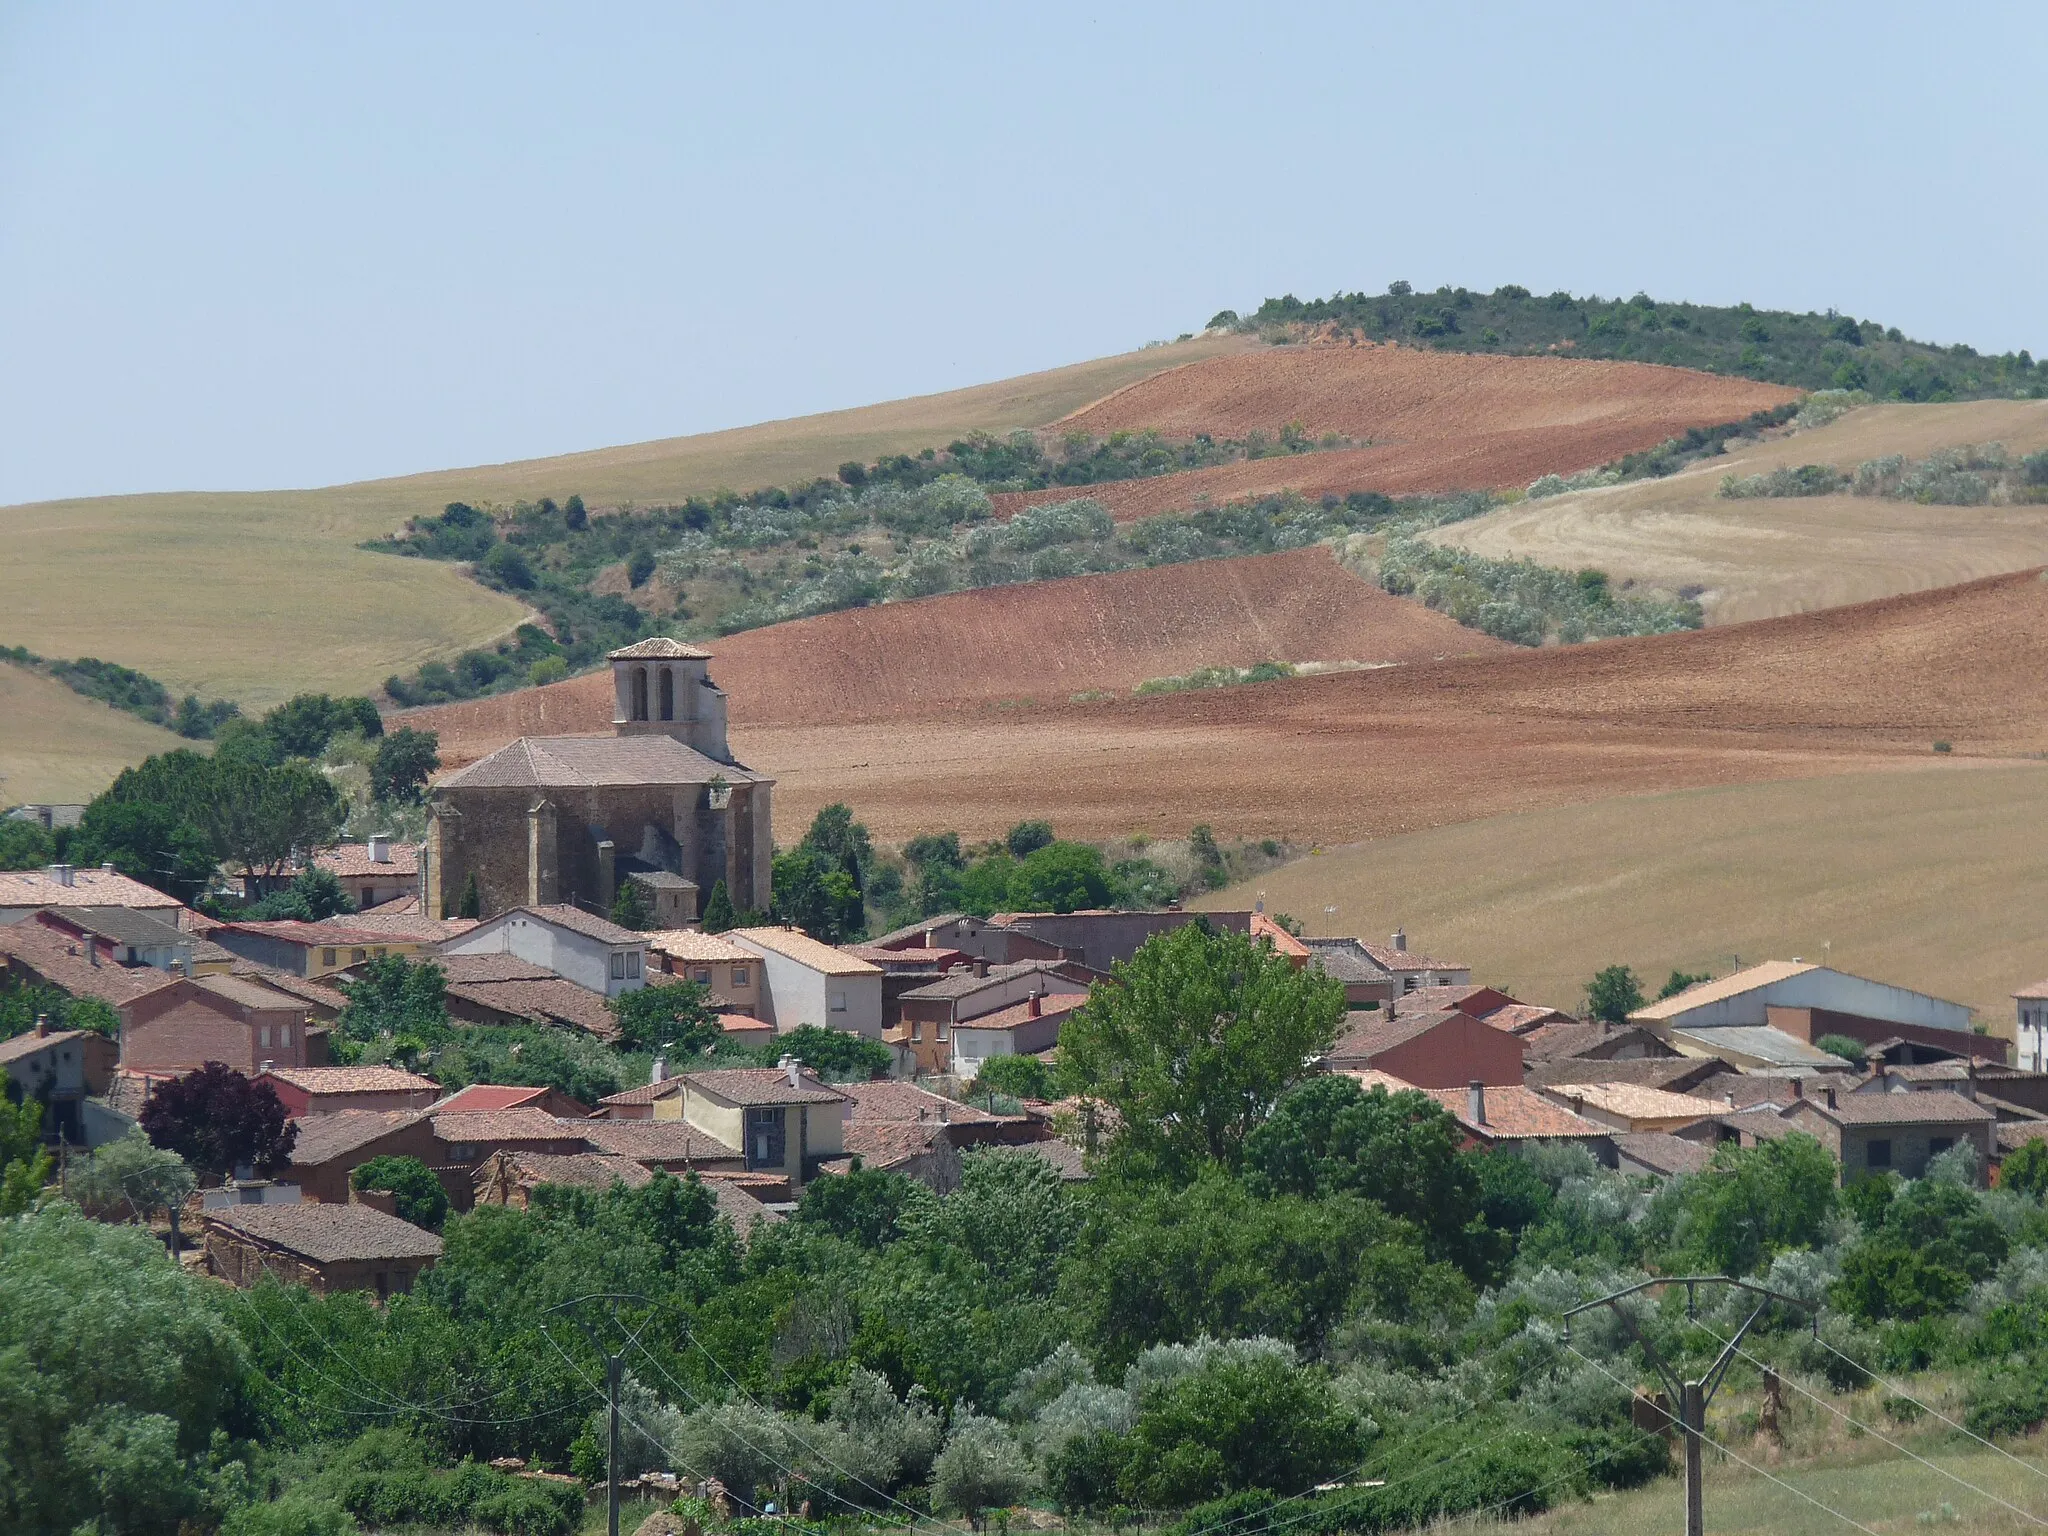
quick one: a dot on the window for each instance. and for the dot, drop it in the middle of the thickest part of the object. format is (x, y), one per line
(1408, 983)
(1877, 1154)
(357, 956)
(702, 976)
(618, 965)
(1936, 1145)
(632, 964)
(917, 1029)
(740, 976)
(767, 1137)
(284, 1034)
(380, 952)
(327, 957)
(263, 1037)
(839, 1002)
(939, 1030)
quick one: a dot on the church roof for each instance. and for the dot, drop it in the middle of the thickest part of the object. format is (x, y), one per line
(659, 648)
(586, 761)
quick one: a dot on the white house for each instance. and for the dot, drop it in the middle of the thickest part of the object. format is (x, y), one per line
(2033, 1026)
(805, 982)
(578, 946)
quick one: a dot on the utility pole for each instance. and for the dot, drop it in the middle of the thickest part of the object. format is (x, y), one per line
(1691, 1397)
(614, 1375)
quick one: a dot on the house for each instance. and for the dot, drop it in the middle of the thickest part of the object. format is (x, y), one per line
(63, 1068)
(593, 952)
(1022, 1029)
(63, 885)
(132, 938)
(805, 982)
(671, 900)
(331, 1147)
(552, 820)
(661, 1099)
(545, 999)
(326, 1248)
(1633, 1107)
(783, 1119)
(313, 950)
(1366, 983)
(48, 817)
(32, 954)
(1278, 939)
(467, 1137)
(510, 1178)
(1489, 1004)
(711, 960)
(1659, 1155)
(191, 1020)
(1594, 1041)
(481, 1097)
(329, 1090)
(1095, 939)
(373, 872)
(404, 917)
(932, 1012)
(904, 969)
(901, 1128)
(2031, 1026)
(1877, 1133)
(1807, 1002)
(1674, 1074)
(675, 1146)
(1444, 1049)
(1493, 1117)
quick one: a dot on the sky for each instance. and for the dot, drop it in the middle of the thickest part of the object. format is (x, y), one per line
(269, 246)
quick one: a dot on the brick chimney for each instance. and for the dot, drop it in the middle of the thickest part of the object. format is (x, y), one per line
(981, 965)
(1798, 1088)
(1475, 1102)
(1828, 1096)
(1033, 1008)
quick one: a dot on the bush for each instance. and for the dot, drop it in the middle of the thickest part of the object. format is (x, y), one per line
(982, 1466)
(295, 1514)
(1850, 1050)
(1021, 1077)
(420, 1198)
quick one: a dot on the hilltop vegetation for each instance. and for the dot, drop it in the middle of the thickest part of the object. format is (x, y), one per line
(124, 688)
(1806, 351)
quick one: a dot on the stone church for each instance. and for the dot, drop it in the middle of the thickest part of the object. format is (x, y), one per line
(566, 819)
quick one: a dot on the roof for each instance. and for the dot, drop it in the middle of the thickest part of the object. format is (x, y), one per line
(894, 1101)
(329, 1234)
(896, 937)
(1935, 1106)
(646, 1093)
(311, 935)
(1635, 1102)
(319, 994)
(1063, 1156)
(2033, 993)
(88, 888)
(323, 1138)
(519, 1123)
(401, 926)
(551, 1000)
(1517, 1017)
(354, 1080)
(1516, 1114)
(1344, 960)
(1369, 1078)
(1677, 1073)
(905, 958)
(2014, 1134)
(658, 648)
(1052, 1005)
(354, 859)
(126, 925)
(245, 993)
(491, 967)
(965, 983)
(1732, 985)
(479, 1097)
(28, 1043)
(1661, 1152)
(582, 1170)
(1761, 1122)
(886, 1144)
(738, 1204)
(1375, 1032)
(655, 1141)
(1283, 942)
(1400, 960)
(1765, 1043)
(690, 944)
(1571, 1038)
(762, 1085)
(580, 762)
(807, 951)
(576, 920)
(62, 962)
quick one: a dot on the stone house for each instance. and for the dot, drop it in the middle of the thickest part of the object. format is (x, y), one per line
(191, 1020)
(1878, 1133)
(373, 872)
(63, 1068)
(565, 819)
(326, 1248)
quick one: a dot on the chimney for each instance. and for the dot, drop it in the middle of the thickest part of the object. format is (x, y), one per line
(981, 965)
(931, 938)
(380, 848)
(792, 1069)
(1731, 1102)
(1828, 1094)
(106, 869)
(266, 1066)
(660, 1072)
(92, 951)
(1578, 1104)
(61, 873)
(1400, 942)
(1798, 1088)
(42, 1025)
(1475, 1102)
(1034, 1010)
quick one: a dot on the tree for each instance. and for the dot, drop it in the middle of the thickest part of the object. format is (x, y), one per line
(1021, 1077)
(1934, 1242)
(132, 1176)
(630, 909)
(639, 568)
(677, 1014)
(506, 566)
(719, 916)
(863, 1206)
(981, 1467)
(834, 1052)
(24, 1165)
(2026, 1170)
(397, 997)
(574, 515)
(262, 817)
(1613, 994)
(1234, 1423)
(1752, 1203)
(472, 903)
(150, 843)
(840, 842)
(25, 845)
(1060, 877)
(420, 1199)
(1847, 1047)
(1200, 1035)
(1027, 837)
(305, 724)
(1679, 981)
(405, 760)
(812, 895)
(314, 894)
(218, 1121)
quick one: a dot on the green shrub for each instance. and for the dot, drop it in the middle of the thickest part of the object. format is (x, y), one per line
(420, 1198)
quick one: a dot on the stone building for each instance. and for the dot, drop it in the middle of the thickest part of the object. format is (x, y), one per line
(564, 819)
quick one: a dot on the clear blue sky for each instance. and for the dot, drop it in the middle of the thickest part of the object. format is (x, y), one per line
(292, 245)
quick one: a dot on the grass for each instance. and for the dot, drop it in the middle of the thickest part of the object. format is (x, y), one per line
(256, 596)
(58, 747)
(1753, 559)
(1908, 877)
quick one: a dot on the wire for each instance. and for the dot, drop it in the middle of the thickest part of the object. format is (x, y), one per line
(2024, 1514)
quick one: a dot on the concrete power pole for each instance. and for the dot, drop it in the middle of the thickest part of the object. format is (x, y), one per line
(614, 1376)
(1691, 1397)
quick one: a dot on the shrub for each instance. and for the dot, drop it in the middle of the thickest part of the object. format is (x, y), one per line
(1021, 1077)
(1850, 1050)
(981, 1466)
(420, 1198)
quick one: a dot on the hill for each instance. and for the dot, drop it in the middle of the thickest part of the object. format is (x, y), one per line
(56, 747)
(1756, 557)
(254, 596)
(1349, 756)
(1008, 647)
(1907, 877)
(1438, 421)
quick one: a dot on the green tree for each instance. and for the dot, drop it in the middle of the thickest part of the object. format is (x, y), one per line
(835, 1053)
(1613, 994)
(1194, 1044)
(630, 909)
(1751, 1204)
(1935, 1240)
(397, 997)
(420, 1199)
(640, 568)
(131, 1177)
(677, 1014)
(1236, 1423)
(1021, 1077)
(262, 817)
(25, 845)
(1027, 837)
(2026, 1170)
(150, 843)
(314, 894)
(1679, 981)
(305, 724)
(719, 916)
(574, 515)
(981, 1467)
(1845, 1046)
(406, 759)
(472, 902)
(816, 896)
(24, 1165)
(864, 1206)
(1060, 877)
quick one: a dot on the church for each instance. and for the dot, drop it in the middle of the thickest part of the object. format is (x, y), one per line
(565, 820)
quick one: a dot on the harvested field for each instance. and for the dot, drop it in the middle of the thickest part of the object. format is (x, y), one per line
(1012, 646)
(57, 747)
(1356, 755)
(1758, 558)
(1907, 877)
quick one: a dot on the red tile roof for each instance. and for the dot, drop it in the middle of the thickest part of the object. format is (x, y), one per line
(656, 1141)
(1516, 1114)
(894, 1101)
(646, 1093)
(64, 963)
(319, 1080)
(352, 859)
(479, 1097)
(519, 1124)
(88, 888)
(1053, 1005)
(550, 1001)
(763, 1085)
(329, 1234)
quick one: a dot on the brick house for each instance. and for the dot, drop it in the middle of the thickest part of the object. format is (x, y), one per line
(326, 1248)
(1878, 1133)
(329, 1090)
(191, 1020)
(1444, 1049)
(313, 950)
(331, 1147)
(1494, 1117)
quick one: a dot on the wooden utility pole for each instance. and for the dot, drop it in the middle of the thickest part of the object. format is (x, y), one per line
(614, 1376)
(1692, 1397)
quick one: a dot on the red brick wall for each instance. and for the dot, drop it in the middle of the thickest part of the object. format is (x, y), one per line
(328, 1181)
(1455, 1053)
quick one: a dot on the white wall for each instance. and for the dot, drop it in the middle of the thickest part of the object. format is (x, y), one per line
(793, 994)
(573, 956)
(1832, 990)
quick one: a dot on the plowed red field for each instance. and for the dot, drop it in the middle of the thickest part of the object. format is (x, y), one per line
(1004, 647)
(1439, 421)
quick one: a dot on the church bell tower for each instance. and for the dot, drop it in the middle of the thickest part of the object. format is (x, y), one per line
(661, 687)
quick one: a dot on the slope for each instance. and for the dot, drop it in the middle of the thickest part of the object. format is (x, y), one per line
(1757, 558)
(257, 595)
(1009, 647)
(59, 748)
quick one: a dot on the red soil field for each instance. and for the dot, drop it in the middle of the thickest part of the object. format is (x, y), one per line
(1439, 421)
(1364, 754)
(1003, 647)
